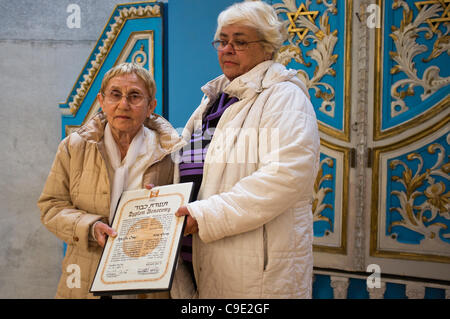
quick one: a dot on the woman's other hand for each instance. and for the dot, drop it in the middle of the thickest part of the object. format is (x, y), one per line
(101, 231)
(191, 223)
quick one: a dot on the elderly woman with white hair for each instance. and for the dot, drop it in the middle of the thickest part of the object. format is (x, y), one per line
(253, 154)
(124, 147)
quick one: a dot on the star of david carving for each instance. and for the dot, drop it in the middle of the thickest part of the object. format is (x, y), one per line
(301, 11)
(444, 18)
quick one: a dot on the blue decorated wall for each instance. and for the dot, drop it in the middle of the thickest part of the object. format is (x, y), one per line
(375, 150)
(191, 60)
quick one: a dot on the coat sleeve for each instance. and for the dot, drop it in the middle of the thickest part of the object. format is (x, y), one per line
(285, 175)
(58, 214)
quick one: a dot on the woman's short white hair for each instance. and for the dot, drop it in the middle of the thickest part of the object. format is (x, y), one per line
(130, 68)
(259, 16)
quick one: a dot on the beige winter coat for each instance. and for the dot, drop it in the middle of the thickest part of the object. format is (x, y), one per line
(77, 193)
(254, 209)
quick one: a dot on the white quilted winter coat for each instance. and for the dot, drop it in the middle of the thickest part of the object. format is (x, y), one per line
(254, 205)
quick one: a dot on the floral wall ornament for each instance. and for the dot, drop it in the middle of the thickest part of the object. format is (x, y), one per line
(314, 49)
(411, 198)
(140, 56)
(320, 191)
(407, 48)
(302, 22)
(420, 183)
(411, 83)
(435, 22)
(330, 200)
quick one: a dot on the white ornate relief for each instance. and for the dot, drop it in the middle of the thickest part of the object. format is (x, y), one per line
(139, 57)
(420, 218)
(360, 128)
(408, 47)
(325, 41)
(330, 200)
(340, 287)
(319, 204)
(415, 291)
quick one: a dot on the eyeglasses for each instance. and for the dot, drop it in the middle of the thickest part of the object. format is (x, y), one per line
(114, 96)
(237, 45)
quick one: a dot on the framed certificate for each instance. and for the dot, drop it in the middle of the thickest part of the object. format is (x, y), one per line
(142, 257)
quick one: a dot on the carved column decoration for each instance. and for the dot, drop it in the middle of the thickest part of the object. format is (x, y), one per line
(415, 291)
(360, 126)
(377, 293)
(340, 286)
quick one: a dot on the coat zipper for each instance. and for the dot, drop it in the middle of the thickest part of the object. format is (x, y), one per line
(265, 247)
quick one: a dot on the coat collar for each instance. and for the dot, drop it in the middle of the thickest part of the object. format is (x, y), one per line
(262, 76)
(241, 87)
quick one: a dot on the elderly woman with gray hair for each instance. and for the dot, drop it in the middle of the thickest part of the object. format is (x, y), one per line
(123, 147)
(253, 154)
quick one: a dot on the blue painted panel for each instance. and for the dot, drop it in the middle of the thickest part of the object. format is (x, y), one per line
(395, 291)
(322, 288)
(416, 105)
(192, 61)
(328, 185)
(357, 289)
(434, 293)
(414, 180)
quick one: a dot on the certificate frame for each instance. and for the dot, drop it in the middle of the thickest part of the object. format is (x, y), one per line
(142, 258)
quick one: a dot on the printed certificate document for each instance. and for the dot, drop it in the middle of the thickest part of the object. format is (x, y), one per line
(143, 256)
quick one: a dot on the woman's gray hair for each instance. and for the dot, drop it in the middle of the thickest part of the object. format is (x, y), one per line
(259, 16)
(131, 68)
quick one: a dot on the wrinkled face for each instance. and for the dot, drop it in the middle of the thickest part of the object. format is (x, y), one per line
(235, 63)
(123, 117)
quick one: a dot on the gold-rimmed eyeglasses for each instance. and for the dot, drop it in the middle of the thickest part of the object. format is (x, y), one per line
(115, 96)
(237, 45)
